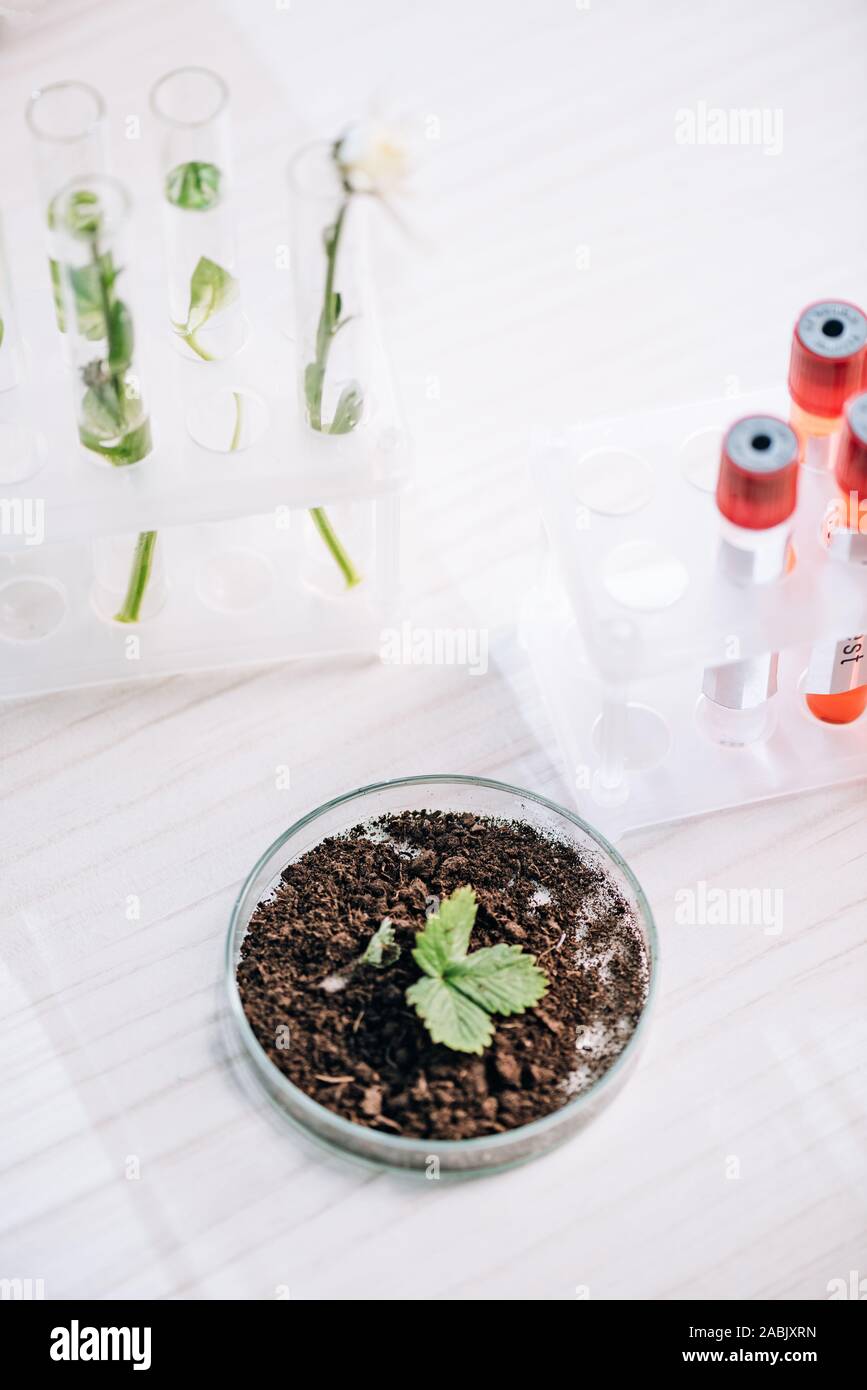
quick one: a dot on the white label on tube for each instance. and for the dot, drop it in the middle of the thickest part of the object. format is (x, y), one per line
(848, 546)
(742, 684)
(817, 452)
(836, 667)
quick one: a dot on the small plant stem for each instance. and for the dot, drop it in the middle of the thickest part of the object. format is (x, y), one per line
(329, 535)
(326, 327)
(324, 333)
(192, 342)
(138, 580)
(239, 416)
(106, 299)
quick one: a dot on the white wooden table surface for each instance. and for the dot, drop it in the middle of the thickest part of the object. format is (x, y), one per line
(734, 1163)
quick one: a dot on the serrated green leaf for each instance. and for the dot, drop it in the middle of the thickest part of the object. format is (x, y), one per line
(449, 1016)
(432, 948)
(499, 979)
(194, 186)
(382, 949)
(446, 934)
(457, 913)
(503, 979)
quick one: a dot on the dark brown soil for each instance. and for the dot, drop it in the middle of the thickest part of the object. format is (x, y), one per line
(363, 1052)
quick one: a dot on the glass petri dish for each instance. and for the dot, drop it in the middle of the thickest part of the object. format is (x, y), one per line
(456, 1158)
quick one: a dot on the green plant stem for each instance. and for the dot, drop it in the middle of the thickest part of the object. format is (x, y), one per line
(105, 378)
(239, 416)
(140, 573)
(329, 535)
(57, 291)
(324, 333)
(326, 326)
(192, 342)
(116, 378)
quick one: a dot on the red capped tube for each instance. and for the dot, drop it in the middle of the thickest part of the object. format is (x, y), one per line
(850, 468)
(757, 487)
(828, 359)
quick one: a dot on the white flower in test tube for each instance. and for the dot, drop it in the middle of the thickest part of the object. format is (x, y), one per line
(375, 156)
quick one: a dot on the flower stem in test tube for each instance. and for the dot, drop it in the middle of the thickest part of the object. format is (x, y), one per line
(332, 184)
(322, 198)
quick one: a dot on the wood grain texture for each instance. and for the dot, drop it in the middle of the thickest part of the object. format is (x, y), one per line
(556, 133)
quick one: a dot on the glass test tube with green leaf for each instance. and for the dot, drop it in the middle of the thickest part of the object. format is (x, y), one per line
(207, 321)
(68, 126)
(88, 219)
(327, 265)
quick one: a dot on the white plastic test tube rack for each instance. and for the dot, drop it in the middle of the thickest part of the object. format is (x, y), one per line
(632, 608)
(235, 539)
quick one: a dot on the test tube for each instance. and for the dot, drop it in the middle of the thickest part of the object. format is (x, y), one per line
(68, 125)
(192, 107)
(89, 219)
(825, 367)
(836, 681)
(756, 496)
